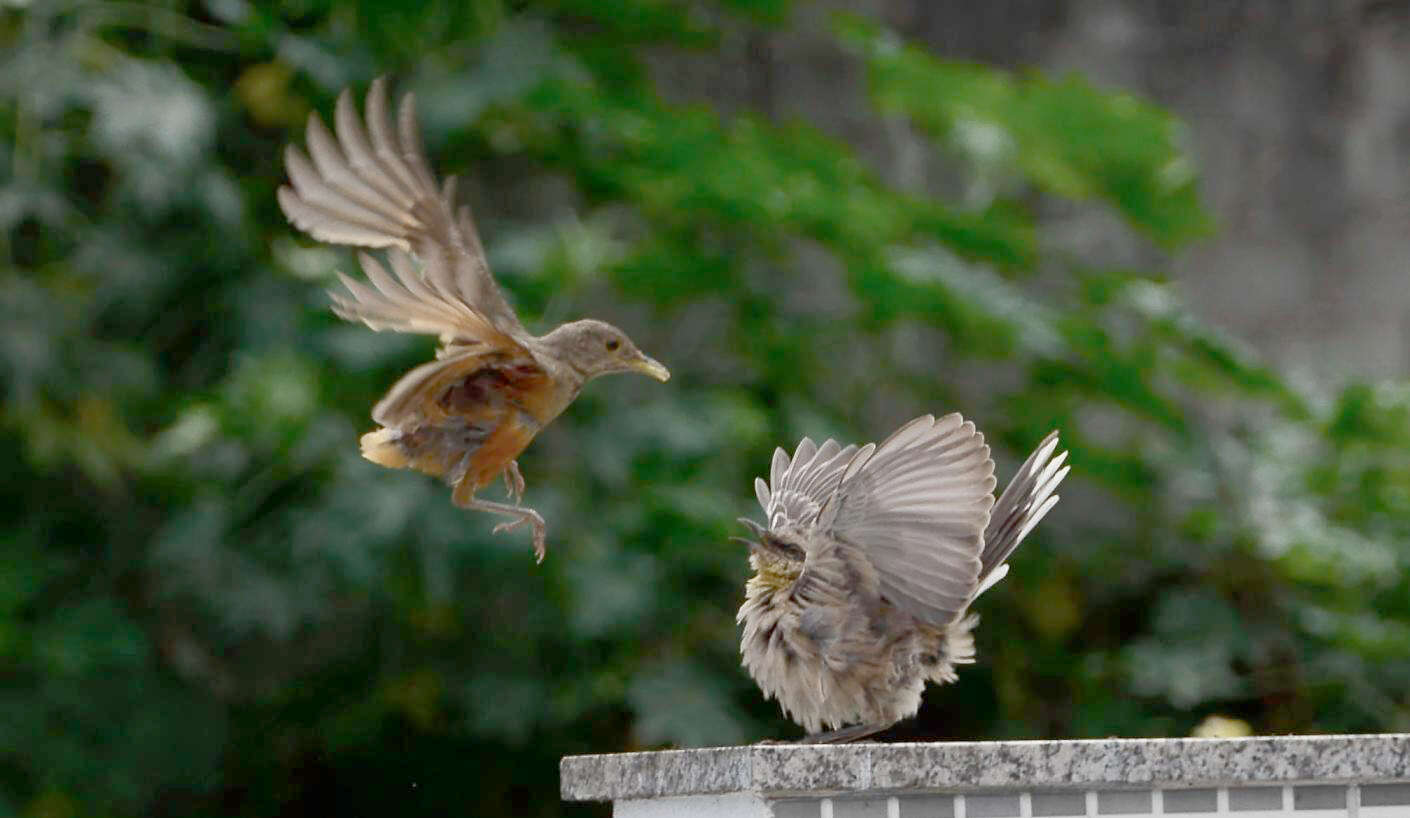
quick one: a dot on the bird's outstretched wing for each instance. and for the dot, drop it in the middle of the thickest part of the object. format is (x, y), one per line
(406, 300)
(412, 298)
(372, 187)
(918, 504)
(798, 486)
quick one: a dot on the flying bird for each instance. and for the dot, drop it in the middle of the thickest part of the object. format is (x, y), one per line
(466, 416)
(868, 564)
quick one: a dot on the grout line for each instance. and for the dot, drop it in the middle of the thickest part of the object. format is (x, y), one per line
(1221, 801)
(825, 808)
(1353, 801)
(1157, 802)
(893, 807)
(1025, 805)
(960, 806)
(1287, 798)
(1091, 803)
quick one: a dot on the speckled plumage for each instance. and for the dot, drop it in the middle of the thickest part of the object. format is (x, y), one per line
(868, 566)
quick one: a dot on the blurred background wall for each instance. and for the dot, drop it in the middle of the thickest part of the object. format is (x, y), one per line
(1298, 114)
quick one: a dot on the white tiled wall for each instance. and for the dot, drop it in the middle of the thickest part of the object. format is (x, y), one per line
(1272, 801)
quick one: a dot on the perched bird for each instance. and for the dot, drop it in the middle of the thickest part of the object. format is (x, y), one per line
(467, 415)
(868, 565)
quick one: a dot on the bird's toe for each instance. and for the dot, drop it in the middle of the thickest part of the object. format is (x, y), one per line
(540, 536)
(514, 482)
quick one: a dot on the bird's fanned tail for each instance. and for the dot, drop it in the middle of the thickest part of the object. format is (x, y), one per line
(1024, 503)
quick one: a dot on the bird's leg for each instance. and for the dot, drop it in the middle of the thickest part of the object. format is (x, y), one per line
(514, 482)
(464, 496)
(846, 734)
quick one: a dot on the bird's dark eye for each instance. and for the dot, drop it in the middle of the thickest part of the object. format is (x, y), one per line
(613, 344)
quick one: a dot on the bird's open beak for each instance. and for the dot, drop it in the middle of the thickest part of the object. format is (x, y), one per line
(768, 543)
(651, 367)
(757, 530)
(753, 546)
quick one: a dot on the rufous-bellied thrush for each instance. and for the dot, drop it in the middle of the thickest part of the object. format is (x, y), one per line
(467, 415)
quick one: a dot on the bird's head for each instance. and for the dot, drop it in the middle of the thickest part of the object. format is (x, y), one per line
(776, 558)
(596, 348)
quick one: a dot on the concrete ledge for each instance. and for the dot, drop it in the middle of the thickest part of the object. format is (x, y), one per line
(800, 770)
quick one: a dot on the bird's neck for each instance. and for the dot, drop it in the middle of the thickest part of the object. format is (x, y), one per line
(548, 351)
(773, 575)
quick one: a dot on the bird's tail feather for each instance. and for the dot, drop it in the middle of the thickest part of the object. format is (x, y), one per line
(957, 649)
(1024, 503)
(381, 448)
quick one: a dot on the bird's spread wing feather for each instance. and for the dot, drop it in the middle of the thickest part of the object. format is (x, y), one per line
(798, 486)
(411, 299)
(918, 504)
(372, 187)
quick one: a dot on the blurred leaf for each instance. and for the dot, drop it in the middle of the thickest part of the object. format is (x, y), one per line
(1063, 136)
(679, 703)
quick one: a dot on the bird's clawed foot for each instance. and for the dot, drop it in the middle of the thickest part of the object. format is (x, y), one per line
(846, 734)
(519, 514)
(514, 482)
(540, 529)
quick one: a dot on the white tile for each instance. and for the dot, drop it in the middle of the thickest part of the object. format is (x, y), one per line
(1195, 801)
(734, 805)
(1312, 798)
(1003, 805)
(1379, 795)
(1255, 799)
(847, 807)
(1125, 802)
(797, 808)
(1058, 803)
(927, 806)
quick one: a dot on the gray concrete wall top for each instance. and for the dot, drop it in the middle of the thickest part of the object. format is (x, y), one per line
(781, 770)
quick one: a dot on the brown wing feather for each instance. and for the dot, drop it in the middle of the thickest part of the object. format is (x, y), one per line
(372, 187)
(471, 383)
(464, 416)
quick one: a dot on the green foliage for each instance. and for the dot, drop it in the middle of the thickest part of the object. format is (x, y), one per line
(1063, 137)
(209, 604)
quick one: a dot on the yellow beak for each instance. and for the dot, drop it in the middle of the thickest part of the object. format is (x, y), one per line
(651, 367)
